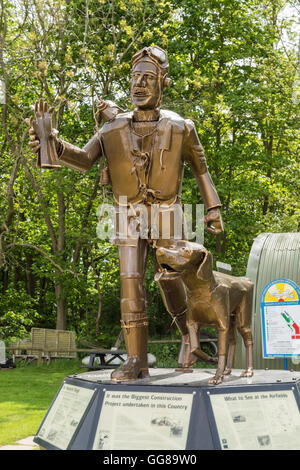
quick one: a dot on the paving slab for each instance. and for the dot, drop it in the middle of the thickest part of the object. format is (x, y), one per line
(16, 447)
(28, 441)
(23, 444)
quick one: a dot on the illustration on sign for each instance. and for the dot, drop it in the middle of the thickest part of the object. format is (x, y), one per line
(291, 324)
(280, 314)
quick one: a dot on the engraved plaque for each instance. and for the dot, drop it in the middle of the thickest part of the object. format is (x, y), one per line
(265, 420)
(65, 415)
(143, 420)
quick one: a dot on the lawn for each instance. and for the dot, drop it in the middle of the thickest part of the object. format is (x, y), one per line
(26, 394)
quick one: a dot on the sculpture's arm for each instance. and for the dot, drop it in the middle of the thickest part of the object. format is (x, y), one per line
(76, 158)
(83, 159)
(52, 151)
(193, 153)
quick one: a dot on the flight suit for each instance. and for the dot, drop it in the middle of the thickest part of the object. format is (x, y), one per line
(145, 162)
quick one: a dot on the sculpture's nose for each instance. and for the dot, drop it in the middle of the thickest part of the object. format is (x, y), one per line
(140, 80)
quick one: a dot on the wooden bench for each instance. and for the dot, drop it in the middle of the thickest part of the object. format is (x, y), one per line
(45, 344)
(54, 343)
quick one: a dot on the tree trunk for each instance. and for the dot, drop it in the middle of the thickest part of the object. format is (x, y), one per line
(30, 278)
(99, 308)
(61, 305)
(42, 291)
(4, 280)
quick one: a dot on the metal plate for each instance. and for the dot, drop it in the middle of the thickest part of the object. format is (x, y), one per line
(199, 377)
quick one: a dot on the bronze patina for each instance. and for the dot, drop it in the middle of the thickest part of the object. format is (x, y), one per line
(145, 151)
(214, 299)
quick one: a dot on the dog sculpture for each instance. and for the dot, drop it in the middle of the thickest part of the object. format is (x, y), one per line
(214, 299)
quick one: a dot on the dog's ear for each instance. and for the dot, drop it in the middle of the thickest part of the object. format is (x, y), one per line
(204, 271)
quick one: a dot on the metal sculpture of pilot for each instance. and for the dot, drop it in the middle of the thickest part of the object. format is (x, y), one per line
(145, 151)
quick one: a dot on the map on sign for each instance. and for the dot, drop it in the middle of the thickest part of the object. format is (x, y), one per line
(280, 314)
(292, 325)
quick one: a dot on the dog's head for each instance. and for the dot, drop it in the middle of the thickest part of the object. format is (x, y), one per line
(185, 256)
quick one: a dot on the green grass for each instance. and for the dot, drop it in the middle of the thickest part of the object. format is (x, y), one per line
(26, 394)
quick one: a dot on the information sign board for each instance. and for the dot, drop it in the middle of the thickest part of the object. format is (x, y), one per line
(65, 414)
(143, 420)
(280, 315)
(258, 420)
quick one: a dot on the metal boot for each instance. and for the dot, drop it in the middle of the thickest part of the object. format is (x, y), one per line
(135, 330)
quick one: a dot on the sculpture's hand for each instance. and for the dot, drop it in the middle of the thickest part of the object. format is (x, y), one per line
(43, 139)
(101, 104)
(43, 117)
(107, 110)
(41, 127)
(213, 221)
(34, 141)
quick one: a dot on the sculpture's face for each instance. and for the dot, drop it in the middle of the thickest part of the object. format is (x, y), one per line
(145, 89)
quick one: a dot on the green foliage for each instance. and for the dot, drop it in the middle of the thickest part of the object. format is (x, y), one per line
(17, 314)
(166, 354)
(233, 66)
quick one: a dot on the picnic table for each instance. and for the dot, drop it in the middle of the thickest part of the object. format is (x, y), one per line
(105, 362)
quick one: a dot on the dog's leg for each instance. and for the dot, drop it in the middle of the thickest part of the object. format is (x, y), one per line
(232, 344)
(248, 372)
(244, 327)
(222, 346)
(174, 298)
(195, 345)
(218, 377)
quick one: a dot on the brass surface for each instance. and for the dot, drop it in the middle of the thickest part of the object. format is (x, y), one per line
(145, 151)
(214, 299)
(43, 137)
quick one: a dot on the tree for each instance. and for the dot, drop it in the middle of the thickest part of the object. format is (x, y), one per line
(64, 52)
(236, 81)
